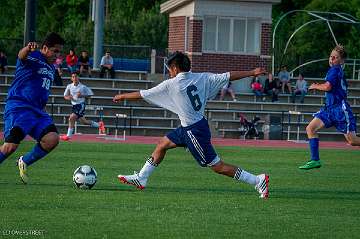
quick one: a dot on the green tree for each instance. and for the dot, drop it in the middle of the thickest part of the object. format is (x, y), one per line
(128, 22)
(315, 40)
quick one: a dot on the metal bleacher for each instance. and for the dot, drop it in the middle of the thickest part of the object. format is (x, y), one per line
(149, 120)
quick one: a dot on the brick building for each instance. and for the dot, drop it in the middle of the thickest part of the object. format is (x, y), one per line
(219, 36)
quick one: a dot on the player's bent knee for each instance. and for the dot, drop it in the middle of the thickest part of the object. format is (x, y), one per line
(353, 142)
(49, 137)
(164, 143)
(72, 117)
(50, 141)
(310, 130)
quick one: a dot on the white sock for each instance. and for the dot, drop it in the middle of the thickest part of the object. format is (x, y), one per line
(70, 132)
(148, 168)
(94, 124)
(246, 177)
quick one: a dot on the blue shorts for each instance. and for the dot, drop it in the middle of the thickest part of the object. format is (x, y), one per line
(340, 116)
(31, 121)
(197, 138)
(79, 110)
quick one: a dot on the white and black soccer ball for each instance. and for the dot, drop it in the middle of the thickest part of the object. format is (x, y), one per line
(85, 177)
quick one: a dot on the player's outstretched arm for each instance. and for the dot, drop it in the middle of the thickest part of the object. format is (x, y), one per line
(24, 52)
(323, 87)
(237, 75)
(128, 96)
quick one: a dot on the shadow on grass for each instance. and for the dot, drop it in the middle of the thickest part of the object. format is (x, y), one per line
(36, 184)
(276, 193)
(165, 189)
(281, 193)
(113, 189)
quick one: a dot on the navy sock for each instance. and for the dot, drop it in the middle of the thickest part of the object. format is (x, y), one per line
(2, 157)
(34, 155)
(314, 148)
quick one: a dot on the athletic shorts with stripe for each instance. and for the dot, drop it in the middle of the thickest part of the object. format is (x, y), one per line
(79, 110)
(339, 116)
(197, 138)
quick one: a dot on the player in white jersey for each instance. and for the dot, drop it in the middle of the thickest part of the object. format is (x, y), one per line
(186, 94)
(77, 94)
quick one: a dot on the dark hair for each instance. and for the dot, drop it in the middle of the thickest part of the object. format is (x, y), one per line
(53, 39)
(180, 60)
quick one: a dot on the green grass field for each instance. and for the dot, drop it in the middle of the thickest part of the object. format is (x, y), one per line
(182, 200)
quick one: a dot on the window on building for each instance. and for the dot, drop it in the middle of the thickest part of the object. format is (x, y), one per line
(231, 35)
(239, 33)
(210, 33)
(223, 35)
(252, 36)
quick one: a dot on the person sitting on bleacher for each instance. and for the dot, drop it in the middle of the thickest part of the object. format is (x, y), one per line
(58, 71)
(107, 64)
(71, 61)
(284, 77)
(84, 63)
(272, 87)
(3, 62)
(300, 89)
(257, 87)
(227, 89)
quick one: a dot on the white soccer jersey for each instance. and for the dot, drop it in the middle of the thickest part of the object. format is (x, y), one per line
(72, 90)
(186, 94)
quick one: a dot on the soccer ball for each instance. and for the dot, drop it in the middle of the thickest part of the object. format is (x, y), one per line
(85, 177)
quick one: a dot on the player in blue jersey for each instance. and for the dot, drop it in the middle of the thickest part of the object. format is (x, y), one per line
(186, 94)
(25, 104)
(336, 112)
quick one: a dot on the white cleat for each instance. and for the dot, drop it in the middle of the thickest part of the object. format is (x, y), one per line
(133, 179)
(22, 170)
(263, 186)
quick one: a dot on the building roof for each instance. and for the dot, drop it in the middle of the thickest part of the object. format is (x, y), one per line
(171, 5)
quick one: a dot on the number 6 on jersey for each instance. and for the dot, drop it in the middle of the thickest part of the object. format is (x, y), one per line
(194, 98)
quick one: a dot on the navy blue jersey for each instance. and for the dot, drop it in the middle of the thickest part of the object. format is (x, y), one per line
(32, 82)
(338, 93)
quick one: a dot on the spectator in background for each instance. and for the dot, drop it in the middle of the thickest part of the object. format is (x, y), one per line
(84, 63)
(284, 77)
(71, 61)
(227, 89)
(257, 87)
(3, 62)
(300, 89)
(272, 87)
(107, 63)
(58, 71)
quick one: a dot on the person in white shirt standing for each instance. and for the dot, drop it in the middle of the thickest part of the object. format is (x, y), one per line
(186, 94)
(77, 93)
